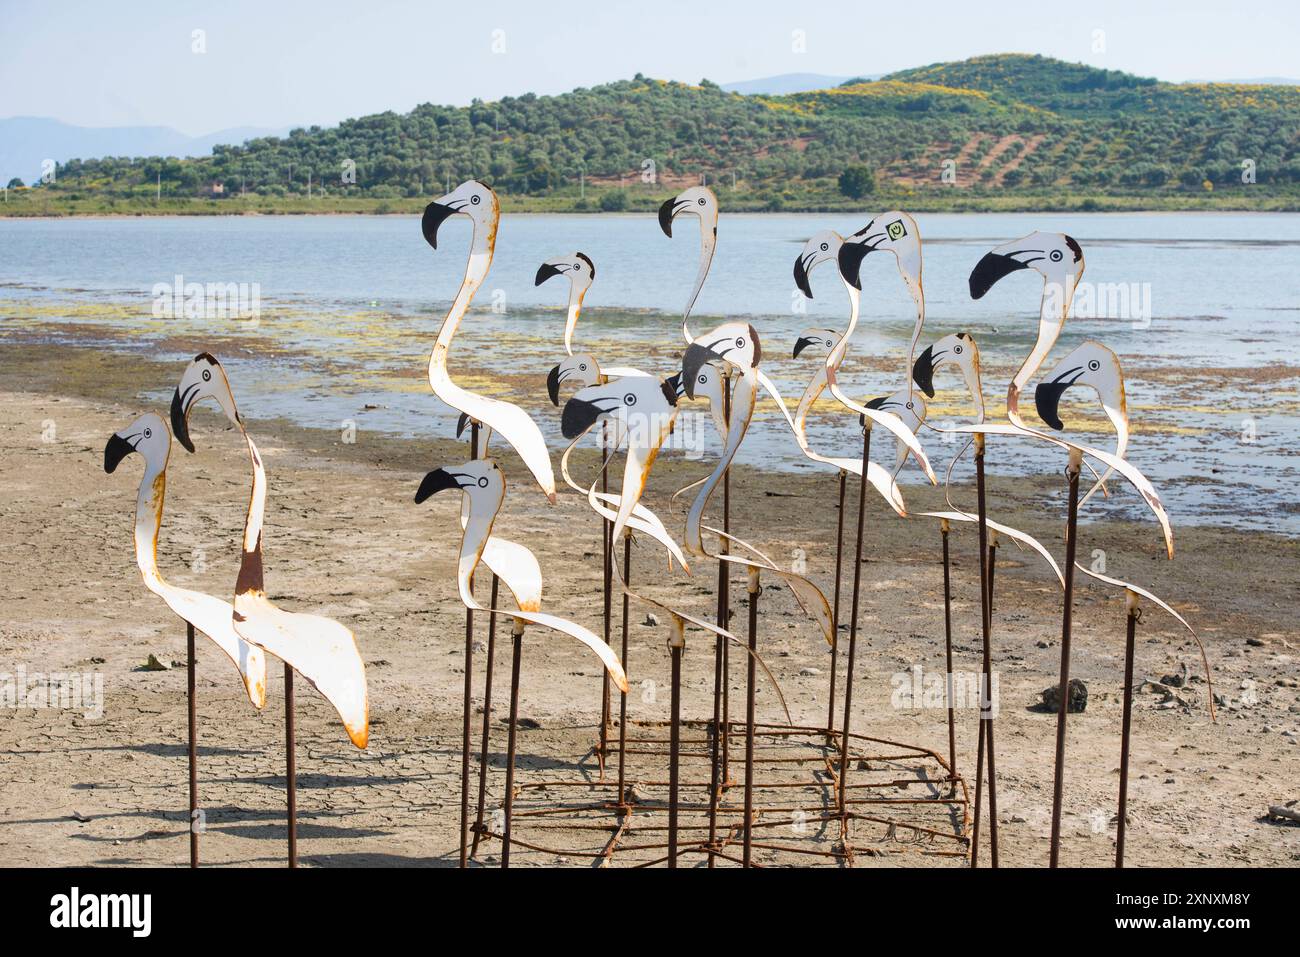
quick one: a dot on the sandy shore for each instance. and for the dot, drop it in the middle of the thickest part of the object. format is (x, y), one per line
(344, 539)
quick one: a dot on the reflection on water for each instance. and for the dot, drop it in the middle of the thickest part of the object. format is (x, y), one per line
(350, 306)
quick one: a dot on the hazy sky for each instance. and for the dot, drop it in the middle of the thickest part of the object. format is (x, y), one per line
(278, 64)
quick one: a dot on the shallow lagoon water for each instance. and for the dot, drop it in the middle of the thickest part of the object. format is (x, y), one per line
(350, 306)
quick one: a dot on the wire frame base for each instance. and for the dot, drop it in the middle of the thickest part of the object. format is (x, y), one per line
(901, 800)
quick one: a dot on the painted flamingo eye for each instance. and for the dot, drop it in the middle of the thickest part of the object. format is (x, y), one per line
(582, 366)
(629, 399)
(825, 246)
(475, 200)
(207, 375)
(956, 350)
(740, 342)
(701, 200)
(482, 482)
(148, 433)
(703, 379)
(909, 405)
(576, 267)
(1055, 255)
(1094, 365)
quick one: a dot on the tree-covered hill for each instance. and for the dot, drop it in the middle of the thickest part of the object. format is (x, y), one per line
(1002, 131)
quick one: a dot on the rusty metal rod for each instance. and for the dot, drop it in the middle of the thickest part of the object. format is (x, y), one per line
(518, 642)
(290, 765)
(947, 642)
(835, 610)
(1063, 687)
(622, 703)
(675, 649)
(755, 590)
(193, 746)
(606, 530)
(853, 620)
(487, 720)
(986, 690)
(1133, 615)
(468, 691)
(724, 607)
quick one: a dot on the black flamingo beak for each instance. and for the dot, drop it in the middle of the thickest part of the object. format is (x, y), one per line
(433, 483)
(850, 257)
(672, 388)
(553, 385)
(666, 213)
(989, 270)
(544, 272)
(180, 422)
(695, 358)
(1047, 397)
(923, 372)
(578, 416)
(435, 214)
(802, 343)
(801, 277)
(115, 451)
(461, 423)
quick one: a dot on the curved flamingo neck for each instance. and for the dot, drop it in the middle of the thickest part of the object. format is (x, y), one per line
(708, 245)
(1053, 310)
(742, 410)
(250, 559)
(571, 320)
(148, 519)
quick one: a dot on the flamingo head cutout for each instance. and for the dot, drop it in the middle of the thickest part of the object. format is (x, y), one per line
(895, 232)
(634, 402)
(581, 272)
(580, 368)
(908, 406)
(823, 247)
(480, 479)
(696, 200)
(1092, 365)
(957, 349)
(816, 342)
(735, 343)
(471, 198)
(204, 378)
(147, 435)
(1058, 259)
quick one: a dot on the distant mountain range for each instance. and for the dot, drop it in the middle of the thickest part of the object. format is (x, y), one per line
(787, 83)
(28, 141)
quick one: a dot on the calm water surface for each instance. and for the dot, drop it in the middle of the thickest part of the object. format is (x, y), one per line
(351, 304)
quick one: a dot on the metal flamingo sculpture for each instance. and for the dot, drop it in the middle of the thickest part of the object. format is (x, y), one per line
(896, 233)
(483, 485)
(477, 202)
(320, 649)
(1059, 260)
(1094, 366)
(579, 269)
(645, 410)
(737, 344)
(209, 615)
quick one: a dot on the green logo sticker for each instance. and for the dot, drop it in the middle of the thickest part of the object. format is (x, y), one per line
(896, 230)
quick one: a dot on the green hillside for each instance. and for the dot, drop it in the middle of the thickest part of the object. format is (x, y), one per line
(1013, 131)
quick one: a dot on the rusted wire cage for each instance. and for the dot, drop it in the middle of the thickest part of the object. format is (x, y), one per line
(900, 800)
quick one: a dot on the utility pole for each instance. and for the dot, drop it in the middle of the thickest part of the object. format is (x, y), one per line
(158, 195)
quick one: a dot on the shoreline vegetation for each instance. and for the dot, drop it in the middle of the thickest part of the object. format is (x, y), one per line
(1000, 133)
(25, 205)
